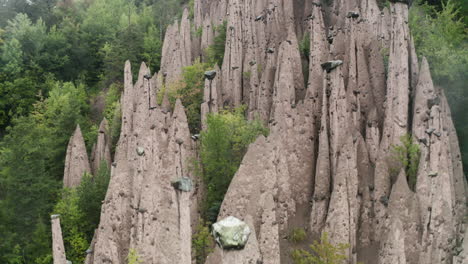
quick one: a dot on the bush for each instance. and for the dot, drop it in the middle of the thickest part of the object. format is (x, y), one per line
(112, 112)
(202, 242)
(304, 46)
(80, 210)
(74, 225)
(215, 52)
(133, 257)
(406, 157)
(223, 146)
(190, 91)
(297, 235)
(91, 192)
(321, 252)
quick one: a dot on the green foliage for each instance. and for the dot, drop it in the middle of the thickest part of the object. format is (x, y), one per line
(31, 161)
(297, 235)
(202, 242)
(385, 52)
(80, 211)
(223, 146)
(304, 46)
(199, 32)
(304, 49)
(321, 252)
(133, 257)
(112, 111)
(191, 5)
(441, 36)
(407, 157)
(215, 52)
(190, 91)
(73, 223)
(91, 192)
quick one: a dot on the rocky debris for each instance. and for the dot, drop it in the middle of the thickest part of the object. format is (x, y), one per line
(140, 151)
(76, 161)
(183, 184)
(210, 75)
(352, 15)
(58, 249)
(142, 210)
(330, 65)
(231, 233)
(101, 151)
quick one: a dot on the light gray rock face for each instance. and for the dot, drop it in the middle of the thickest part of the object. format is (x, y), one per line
(142, 210)
(325, 167)
(76, 161)
(177, 48)
(211, 102)
(231, 233)
(101, 151)
(58, 249)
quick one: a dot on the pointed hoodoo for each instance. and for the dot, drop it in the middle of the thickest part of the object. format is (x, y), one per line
(322, 174)
(58, 249)
(142, 210)
(101, 151)
(76, 161)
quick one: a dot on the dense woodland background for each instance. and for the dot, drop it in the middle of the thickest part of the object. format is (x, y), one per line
(61, 64)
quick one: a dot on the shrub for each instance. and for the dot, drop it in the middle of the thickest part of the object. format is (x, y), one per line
(215, 52)
(202, 242)
(304, 46)
(190, 91)
(133, 257)
(297, 235)
(223, 146)
(406, 156)
(112, 112)
(91, 192)
(74, 225)
(80, 211)
(321, 252)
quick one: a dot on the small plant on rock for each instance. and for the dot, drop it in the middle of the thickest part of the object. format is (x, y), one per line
(133, 257)
(321, 252)
(297, 235)
(406, 156)
(202, 242)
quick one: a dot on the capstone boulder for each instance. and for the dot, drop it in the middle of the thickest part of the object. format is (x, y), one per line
(231, 233)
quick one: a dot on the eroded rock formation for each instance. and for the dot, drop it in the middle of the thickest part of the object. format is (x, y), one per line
(142, 210)
(58, 249)
(326, 165)
(76, 161)
(101, 151)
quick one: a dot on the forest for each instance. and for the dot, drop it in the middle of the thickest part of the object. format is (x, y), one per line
(61, 64)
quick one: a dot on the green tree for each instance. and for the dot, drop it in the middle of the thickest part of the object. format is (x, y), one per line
(31, 161)
(215, 52)
(223, 146)
(190, 91)
(202, 241)
(321, 252)
(406, 156)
